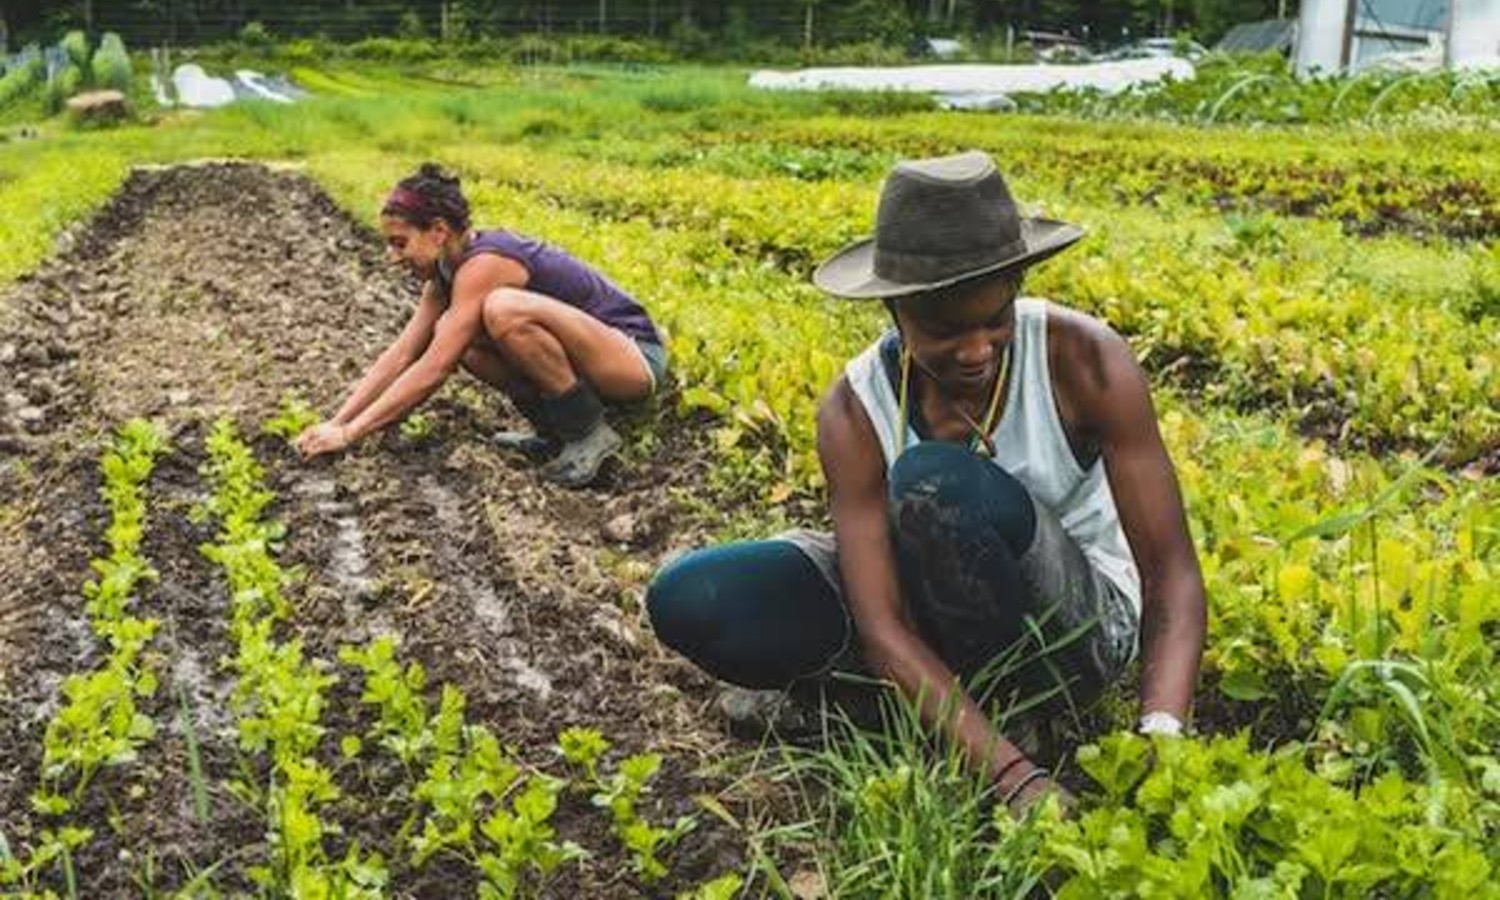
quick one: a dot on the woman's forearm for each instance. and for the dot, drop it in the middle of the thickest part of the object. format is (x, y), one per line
(385, 370)
(418, 382)
(923, 678)
(1172, 648)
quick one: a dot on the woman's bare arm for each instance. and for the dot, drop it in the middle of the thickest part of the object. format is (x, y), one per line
(855, 471)
(395, 359)
(1112, 394)
(452, 333)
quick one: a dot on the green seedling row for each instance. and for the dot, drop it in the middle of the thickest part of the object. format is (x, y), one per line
(281, 694)
(1387, 182)
(99, 724)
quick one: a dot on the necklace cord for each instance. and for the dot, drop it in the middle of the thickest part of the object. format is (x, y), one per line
(982, 432)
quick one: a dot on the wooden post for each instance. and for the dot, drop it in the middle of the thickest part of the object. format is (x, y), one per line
(1448, 55)
(807, 25)
(1346, 45)
(88, 17)
(603, 15)
(4, 31)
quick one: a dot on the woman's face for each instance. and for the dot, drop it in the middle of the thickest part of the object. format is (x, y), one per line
(415, 249)
(959, 336)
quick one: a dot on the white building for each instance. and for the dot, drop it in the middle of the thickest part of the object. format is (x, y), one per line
(1350, 35)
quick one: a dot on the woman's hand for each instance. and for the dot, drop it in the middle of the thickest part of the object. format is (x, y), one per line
(1033, 789)
(325, 437)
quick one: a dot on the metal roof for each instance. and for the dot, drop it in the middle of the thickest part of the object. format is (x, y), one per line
(1258, 37)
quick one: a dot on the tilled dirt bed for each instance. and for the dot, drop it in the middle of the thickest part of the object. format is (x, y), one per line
(215, 289)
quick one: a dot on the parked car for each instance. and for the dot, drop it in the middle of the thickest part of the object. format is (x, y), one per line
(1054, 47)
(1157, 47)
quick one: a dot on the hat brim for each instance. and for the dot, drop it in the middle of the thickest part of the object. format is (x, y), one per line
(850, 273)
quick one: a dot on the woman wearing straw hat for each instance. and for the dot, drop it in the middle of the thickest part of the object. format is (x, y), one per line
(1005, 513)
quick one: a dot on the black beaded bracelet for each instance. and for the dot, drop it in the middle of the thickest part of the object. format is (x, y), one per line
(1028, 778)
(1020, 758)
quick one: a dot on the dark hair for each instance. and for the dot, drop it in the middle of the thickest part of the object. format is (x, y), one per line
(1014, 278)
(441, 195)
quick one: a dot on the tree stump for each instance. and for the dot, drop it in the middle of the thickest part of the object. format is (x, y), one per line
(99, 107)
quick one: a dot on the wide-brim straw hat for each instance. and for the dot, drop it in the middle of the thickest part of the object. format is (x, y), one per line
(941, 221)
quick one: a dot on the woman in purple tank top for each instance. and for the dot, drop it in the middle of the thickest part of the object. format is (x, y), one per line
(555, 335)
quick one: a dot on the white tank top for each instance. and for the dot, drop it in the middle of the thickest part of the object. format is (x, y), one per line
(1030, 444)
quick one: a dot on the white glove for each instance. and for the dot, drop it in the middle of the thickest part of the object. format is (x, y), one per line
(1161, 723)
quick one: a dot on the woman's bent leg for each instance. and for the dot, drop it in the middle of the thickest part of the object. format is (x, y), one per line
(757, 614)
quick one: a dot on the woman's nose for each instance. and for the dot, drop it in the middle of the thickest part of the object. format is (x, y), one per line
(975, 352)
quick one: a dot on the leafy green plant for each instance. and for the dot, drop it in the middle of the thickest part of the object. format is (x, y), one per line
(99, 724)
(112, 67)
(23, 78)
(417, 427)
(621, 793)
(256, 35)
(473, 801)
(725, 887)
(1218, 819)
(525, 843)
(67, 82)
(397, 693)
(76, 45)
(280, 695)
(295, 416)
(584, 748)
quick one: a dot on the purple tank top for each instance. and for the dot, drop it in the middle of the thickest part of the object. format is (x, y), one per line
(561, 276)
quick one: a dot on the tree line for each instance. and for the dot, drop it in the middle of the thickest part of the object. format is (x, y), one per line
(822, 22)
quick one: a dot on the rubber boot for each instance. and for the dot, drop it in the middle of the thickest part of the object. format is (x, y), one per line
(755, 715)
(577, 417)
(539, 443)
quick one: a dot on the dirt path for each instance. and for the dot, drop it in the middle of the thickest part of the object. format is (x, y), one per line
(209, 290)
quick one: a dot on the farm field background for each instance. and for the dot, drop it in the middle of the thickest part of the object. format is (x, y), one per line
(1317, 308)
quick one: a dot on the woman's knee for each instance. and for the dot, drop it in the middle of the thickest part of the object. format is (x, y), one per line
(680, 600)
(946, 492)
(938, 471)
(758, 614)
(512, 315)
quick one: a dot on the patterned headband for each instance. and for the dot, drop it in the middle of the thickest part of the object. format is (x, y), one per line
(409, 204)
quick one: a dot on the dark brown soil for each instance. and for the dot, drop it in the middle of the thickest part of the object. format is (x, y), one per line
(211, 290)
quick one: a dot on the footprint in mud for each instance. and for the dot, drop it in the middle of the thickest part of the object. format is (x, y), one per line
(488, 608)
(348, 562)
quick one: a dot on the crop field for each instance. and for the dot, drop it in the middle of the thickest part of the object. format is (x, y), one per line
(416, 671)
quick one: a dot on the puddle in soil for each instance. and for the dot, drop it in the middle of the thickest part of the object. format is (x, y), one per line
(488, 608)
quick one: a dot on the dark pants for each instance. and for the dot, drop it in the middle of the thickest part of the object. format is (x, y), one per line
(991, 580)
